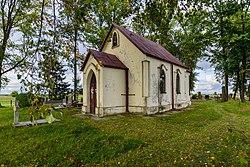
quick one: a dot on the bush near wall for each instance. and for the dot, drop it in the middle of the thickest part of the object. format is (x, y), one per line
(24, 99)
(194, 96)
(207, 97)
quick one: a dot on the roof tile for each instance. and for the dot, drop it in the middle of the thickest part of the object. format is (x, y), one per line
(107, 60)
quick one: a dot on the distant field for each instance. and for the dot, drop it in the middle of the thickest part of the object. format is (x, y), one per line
(6, 100)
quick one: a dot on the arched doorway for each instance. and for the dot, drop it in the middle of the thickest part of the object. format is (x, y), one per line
(92, 92)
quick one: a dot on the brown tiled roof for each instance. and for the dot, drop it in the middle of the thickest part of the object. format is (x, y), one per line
(146, 46)
(105, 59)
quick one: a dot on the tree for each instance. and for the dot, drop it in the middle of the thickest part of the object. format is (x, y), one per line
(101, 16)
(180, 29)
(72, 27)
(242, 41)
(230, 20)
(38, 78)
(17, 17)
(57, 88)
(14, 93)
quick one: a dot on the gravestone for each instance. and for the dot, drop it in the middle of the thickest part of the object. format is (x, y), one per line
(64, 101)
(67, 99)
(16, 112)
(70, 100)
(199, 95)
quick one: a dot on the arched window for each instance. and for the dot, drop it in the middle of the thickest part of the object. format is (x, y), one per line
(178, 84)
(162, 82)
(115, 39)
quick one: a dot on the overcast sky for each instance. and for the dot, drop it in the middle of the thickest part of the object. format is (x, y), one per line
(206, 83)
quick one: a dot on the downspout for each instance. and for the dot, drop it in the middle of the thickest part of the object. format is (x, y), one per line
(158, 92)
(98, 87)
(172, 73)
(127, 88)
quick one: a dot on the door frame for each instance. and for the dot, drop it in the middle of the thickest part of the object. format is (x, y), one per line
(92, 93)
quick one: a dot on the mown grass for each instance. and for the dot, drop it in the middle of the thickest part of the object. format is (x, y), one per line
(209, 133)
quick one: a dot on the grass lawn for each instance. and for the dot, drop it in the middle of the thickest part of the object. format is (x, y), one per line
(207, 133)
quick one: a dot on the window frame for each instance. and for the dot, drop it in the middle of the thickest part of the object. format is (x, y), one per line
(162, 84)
(178, 83)
(115, 40)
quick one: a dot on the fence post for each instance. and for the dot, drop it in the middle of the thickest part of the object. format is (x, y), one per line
(11, 103)
(16, 113)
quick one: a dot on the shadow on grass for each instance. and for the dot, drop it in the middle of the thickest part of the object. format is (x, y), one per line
(193, 118)
(72, 142)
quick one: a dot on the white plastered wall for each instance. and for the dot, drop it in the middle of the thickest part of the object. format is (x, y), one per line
(183, 99)
(114, 91)
(159, 102)
(131, 57)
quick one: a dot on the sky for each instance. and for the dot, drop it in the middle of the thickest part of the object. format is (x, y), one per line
(206, 83)
(14, 84)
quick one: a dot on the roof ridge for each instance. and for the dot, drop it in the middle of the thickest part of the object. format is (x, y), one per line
(116, 25)
(146, 46)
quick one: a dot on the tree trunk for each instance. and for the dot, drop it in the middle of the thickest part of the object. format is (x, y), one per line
(75, 65)
(237, 84)
(242, 87)
(235, 92)
(243, 75)
(223, 94)
(226, 87)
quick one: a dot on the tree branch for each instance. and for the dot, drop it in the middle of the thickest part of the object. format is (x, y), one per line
(37, 48)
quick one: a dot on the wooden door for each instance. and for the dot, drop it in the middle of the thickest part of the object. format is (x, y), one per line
(92, 92)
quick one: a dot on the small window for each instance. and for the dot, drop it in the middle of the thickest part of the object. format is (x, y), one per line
(178, 84)
(162, 82)
(115, 40)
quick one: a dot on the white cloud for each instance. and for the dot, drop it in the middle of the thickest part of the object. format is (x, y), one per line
(207, 83)
(13, 85)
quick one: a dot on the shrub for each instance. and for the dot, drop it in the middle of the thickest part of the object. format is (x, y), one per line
(194, 96)
(199, 95)
(207, 97)
(14, 93)
(24, 99)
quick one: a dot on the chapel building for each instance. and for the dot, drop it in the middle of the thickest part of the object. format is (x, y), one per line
(133, 74)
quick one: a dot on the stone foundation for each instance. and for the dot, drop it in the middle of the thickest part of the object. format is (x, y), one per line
(103, 111)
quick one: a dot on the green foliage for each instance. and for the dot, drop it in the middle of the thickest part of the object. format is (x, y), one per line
(102, 14)
(199, 96)
(194, 96)
(14, 93)
(24, 99)
(207, 97)
(53, 76)
(36, 107)
(229, 27)
(17, 17)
